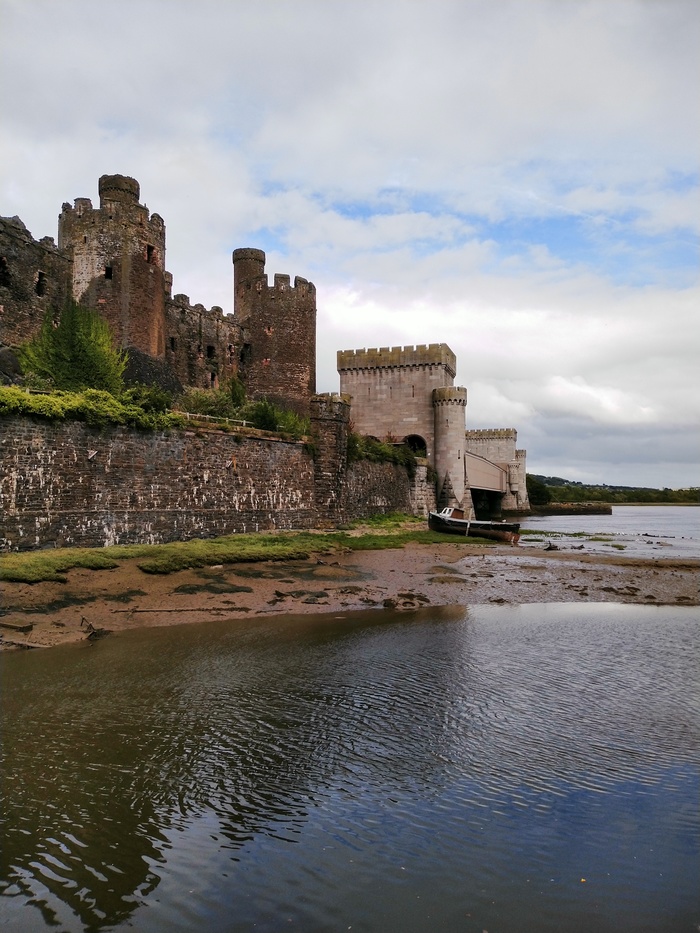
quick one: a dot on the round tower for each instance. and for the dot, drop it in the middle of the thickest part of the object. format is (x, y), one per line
(449, 407)
(118, 188)
(248, 265)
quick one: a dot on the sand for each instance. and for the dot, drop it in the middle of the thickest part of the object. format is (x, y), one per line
(92, 604)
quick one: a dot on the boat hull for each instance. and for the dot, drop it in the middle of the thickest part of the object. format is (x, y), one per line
(506, 532)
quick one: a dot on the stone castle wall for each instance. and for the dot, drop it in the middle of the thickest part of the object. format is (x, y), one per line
(202, 345)
(34, 279)
(71, 485)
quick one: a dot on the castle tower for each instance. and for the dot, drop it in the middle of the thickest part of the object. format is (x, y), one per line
(278, 325)
(118, 255)
(391, 390)
(449, 405)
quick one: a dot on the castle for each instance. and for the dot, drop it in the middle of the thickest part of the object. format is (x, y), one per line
(111, 258)
(408, 394)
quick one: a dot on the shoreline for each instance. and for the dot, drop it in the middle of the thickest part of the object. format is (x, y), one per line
(94, 603)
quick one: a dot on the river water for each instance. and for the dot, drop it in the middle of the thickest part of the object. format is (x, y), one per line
(498, 768)
(666, 531)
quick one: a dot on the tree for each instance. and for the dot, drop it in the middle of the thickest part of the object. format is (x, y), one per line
(537, 492)
(77, 353)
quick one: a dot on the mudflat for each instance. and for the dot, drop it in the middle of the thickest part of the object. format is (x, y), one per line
(94, 603)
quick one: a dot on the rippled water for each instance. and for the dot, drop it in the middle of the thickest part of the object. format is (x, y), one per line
(669, 531)
(530, 768)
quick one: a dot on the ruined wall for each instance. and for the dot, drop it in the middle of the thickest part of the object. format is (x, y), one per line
(118, 256)
(34, 278)
(278, 325)
(391, 389)
(201, 346)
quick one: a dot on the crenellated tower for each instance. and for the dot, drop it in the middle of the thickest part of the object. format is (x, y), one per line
(277, 358)
(118, 256)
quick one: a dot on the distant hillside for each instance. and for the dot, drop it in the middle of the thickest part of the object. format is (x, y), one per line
(544, 489)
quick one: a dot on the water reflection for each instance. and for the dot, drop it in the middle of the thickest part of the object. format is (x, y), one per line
(479, 753)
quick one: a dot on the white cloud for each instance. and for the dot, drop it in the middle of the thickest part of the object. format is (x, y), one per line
(516, 179)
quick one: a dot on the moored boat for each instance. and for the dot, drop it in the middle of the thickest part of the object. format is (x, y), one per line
(452, 521)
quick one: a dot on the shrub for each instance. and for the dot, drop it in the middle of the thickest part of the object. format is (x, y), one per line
(77, 353)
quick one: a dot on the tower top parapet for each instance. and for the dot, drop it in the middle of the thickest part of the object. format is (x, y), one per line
(433, 354)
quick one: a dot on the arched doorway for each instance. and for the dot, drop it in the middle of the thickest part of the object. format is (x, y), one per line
(417, 444)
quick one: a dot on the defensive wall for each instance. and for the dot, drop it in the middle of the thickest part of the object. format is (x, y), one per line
(71, 485)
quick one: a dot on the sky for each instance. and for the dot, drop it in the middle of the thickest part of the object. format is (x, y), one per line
(515, 178)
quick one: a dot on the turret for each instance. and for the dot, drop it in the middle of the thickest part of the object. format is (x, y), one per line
(449, 405)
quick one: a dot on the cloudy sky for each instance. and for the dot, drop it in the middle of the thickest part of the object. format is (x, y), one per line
(516, 178)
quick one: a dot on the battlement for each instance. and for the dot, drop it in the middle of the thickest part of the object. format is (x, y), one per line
(249, 276)
(492, 434)
(450, 395)
(433, 354)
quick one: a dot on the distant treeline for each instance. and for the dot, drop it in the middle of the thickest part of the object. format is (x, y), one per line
(544, 489)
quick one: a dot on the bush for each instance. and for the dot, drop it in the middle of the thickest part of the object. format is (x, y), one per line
(363, 447)
(77, 353)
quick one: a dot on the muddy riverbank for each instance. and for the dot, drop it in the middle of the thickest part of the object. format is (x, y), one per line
(92, 603)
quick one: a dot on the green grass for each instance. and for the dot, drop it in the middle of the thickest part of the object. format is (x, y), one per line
(53, 565)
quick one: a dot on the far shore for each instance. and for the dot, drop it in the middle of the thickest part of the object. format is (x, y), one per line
(91, 604)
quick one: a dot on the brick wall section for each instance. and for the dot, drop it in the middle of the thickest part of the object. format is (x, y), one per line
(143, 487)
(34, 278)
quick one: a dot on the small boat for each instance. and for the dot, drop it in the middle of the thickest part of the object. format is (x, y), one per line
(451, 521)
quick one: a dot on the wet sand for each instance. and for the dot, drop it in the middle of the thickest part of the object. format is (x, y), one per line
(93, 603)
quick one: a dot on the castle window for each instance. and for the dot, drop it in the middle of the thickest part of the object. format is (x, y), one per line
(150, 250)
(5, 277)
(213, 379)
(246, 353)
(108, 272)
(210, 352)
(85, 238)
(40, 286)
(413, 391)
(173, 343)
